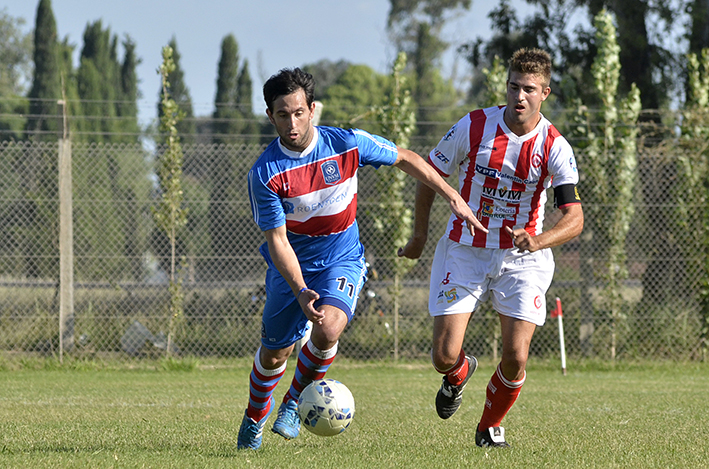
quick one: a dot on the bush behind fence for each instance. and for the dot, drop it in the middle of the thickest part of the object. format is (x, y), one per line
(120, 298)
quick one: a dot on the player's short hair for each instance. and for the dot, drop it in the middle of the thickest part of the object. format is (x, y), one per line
(287, 81)
(531, 61)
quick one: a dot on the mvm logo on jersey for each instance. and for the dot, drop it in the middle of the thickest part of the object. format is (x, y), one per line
(502, 193)
(330, 172)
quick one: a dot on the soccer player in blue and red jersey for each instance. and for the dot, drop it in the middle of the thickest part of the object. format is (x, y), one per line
(507, 157)
(303, 191)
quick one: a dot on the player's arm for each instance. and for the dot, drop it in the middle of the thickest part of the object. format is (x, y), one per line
(568, 227)
(415, 166)
(286, 262)
(422, 213)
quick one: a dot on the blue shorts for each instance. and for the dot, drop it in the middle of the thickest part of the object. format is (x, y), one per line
(284, 322)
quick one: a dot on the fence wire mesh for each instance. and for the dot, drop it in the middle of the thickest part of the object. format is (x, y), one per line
(121, 262)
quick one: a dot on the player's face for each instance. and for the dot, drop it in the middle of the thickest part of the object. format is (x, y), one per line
(293, 120)
(525, 95)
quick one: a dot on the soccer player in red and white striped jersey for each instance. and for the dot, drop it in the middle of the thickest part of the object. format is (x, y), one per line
(507, 157)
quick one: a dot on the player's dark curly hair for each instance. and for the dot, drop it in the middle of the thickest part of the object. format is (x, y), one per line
(287, 81)
(532, 61)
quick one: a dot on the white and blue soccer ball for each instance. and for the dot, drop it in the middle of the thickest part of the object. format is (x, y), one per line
(326, 407)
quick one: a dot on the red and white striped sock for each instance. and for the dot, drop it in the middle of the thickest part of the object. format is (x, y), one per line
(501, 395)
(457, 373)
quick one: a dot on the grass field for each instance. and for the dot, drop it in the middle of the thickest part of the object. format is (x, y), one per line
(172, 414)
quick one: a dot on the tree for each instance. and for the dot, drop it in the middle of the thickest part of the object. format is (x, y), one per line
(649, 56)
(224, 216)
(349, 100)
(636, 51)
(415, 27)
(99, 84)
(692, 190)
(325, 73)
(699, 26)
(15, 73)
(15, 55)
(610, 160)
(127, 105)
(43, 122)
(180, 93)
(496, 83)
(35, 227)
(393, 218)
(244, 91)
(170, 215)
(227, 122)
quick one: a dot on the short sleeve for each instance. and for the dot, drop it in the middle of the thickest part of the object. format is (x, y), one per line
(562, 164)
(452, 148)
(266, 206)
(375, 150)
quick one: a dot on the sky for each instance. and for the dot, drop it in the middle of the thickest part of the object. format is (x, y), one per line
(271, 34)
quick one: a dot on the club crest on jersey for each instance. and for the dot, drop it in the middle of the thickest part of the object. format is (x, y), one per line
(330, 172)
(536, 160)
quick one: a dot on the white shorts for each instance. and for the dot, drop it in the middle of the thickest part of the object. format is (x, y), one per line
(462, 277)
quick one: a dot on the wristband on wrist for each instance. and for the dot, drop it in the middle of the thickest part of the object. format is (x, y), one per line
(301, 291)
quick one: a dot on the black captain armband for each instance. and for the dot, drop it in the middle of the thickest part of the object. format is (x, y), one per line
(566, 194)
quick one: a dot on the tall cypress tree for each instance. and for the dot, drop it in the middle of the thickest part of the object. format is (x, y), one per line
(222, 221)
(226, 114)
(243, 100)
(97, 80)
(127, 106)
(37, 170)
(46, 84)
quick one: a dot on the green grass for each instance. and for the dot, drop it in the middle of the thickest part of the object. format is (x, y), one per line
(167, 414)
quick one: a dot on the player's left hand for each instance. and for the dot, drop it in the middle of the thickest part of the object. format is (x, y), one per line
(522, 240)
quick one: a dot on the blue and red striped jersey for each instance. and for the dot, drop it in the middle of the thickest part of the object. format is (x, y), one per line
(314, 193)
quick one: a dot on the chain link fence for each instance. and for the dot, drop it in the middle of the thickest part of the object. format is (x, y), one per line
(118, 307)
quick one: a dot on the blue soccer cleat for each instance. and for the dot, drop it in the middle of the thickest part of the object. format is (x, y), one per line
(287, 423)
(250, 432)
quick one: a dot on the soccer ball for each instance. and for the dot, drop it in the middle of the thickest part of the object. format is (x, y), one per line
(326, 407)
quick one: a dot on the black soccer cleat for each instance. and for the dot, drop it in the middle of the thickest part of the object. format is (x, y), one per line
(450, 396)
(493, 437)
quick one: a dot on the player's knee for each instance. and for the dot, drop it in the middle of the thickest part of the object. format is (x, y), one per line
(443, 361)
(272, 359)
(513, 366)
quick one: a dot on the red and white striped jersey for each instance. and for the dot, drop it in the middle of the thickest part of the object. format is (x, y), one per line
(502, 176)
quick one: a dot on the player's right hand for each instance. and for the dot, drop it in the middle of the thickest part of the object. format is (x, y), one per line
(413, 248)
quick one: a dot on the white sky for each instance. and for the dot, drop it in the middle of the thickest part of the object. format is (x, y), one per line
(271, 34)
